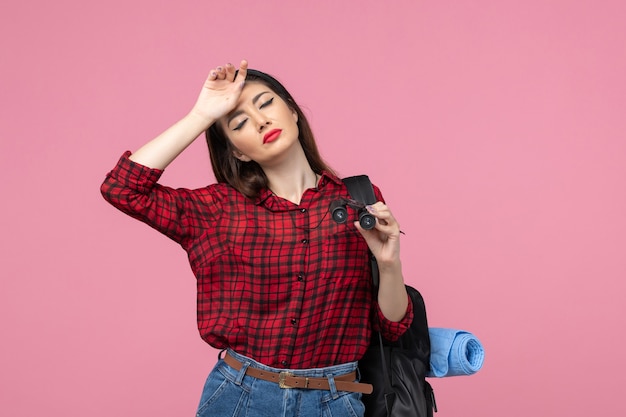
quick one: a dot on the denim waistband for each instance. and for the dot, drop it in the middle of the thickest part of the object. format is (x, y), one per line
(334, 370)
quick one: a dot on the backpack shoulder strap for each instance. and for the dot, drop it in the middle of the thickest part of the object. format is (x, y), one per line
(361, 189)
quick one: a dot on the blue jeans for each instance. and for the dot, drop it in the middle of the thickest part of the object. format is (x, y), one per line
(231, 393)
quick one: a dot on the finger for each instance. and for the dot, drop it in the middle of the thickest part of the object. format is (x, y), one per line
(381, 212)
(385, 222)
(243, 72)
(230, 72)
(221, 74)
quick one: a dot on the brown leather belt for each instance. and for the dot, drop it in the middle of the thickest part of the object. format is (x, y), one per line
(288, 380)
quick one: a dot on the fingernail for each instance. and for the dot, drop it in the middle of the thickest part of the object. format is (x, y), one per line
(242, 84)
(371, 209)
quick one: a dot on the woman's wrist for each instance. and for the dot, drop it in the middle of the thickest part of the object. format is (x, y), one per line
(391, 267)
(198, 121)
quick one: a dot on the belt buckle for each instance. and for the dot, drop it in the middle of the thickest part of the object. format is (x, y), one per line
(281, 379)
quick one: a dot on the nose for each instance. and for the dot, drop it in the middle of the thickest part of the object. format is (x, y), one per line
(261, 121)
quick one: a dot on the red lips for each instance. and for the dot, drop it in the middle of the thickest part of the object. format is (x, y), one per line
(272, 135)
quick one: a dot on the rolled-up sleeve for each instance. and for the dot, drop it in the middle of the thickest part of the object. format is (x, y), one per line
(133, 189)
(392, 330)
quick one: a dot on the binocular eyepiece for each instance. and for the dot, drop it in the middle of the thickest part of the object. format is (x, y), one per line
(338, 210)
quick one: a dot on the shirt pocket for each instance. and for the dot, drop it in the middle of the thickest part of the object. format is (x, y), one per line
(345, 258)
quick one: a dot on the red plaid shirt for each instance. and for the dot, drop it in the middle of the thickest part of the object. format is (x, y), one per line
(278, 282)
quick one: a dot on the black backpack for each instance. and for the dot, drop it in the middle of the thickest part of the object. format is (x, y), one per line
(397, 370)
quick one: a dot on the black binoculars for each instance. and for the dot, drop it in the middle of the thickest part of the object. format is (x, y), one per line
(340, 213)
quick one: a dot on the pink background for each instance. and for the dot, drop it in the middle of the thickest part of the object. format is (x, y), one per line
(496, 130)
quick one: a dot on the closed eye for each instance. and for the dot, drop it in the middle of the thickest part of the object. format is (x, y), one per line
(240, 124)
(266, 103)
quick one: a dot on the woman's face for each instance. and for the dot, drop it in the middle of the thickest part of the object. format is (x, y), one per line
(262, 127)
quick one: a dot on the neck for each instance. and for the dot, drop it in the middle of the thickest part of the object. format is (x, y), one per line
(291, 184)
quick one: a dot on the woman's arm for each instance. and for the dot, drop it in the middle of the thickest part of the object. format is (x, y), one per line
(218, 96)
(384, 242)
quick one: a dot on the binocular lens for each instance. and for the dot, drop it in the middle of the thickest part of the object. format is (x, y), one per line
(339, 213)
(366, 220)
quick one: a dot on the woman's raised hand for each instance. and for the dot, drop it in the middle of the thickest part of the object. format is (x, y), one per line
(220, 92)
(218, 97)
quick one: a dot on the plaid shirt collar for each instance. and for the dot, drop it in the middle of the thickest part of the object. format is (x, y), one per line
(273, 203)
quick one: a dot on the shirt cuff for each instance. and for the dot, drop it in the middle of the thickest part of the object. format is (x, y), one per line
(135, 176)
(392, 330)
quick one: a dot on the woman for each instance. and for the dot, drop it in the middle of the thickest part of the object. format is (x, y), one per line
(283, 290)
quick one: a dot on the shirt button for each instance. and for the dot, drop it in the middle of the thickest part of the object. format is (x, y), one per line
(303, 210)
(305, 241)
(294, 321)
(300, 277)
(284, 363)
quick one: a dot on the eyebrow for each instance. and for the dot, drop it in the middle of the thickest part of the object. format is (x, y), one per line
(238, 112)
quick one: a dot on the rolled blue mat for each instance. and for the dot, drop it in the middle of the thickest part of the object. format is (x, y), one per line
(454, 352)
